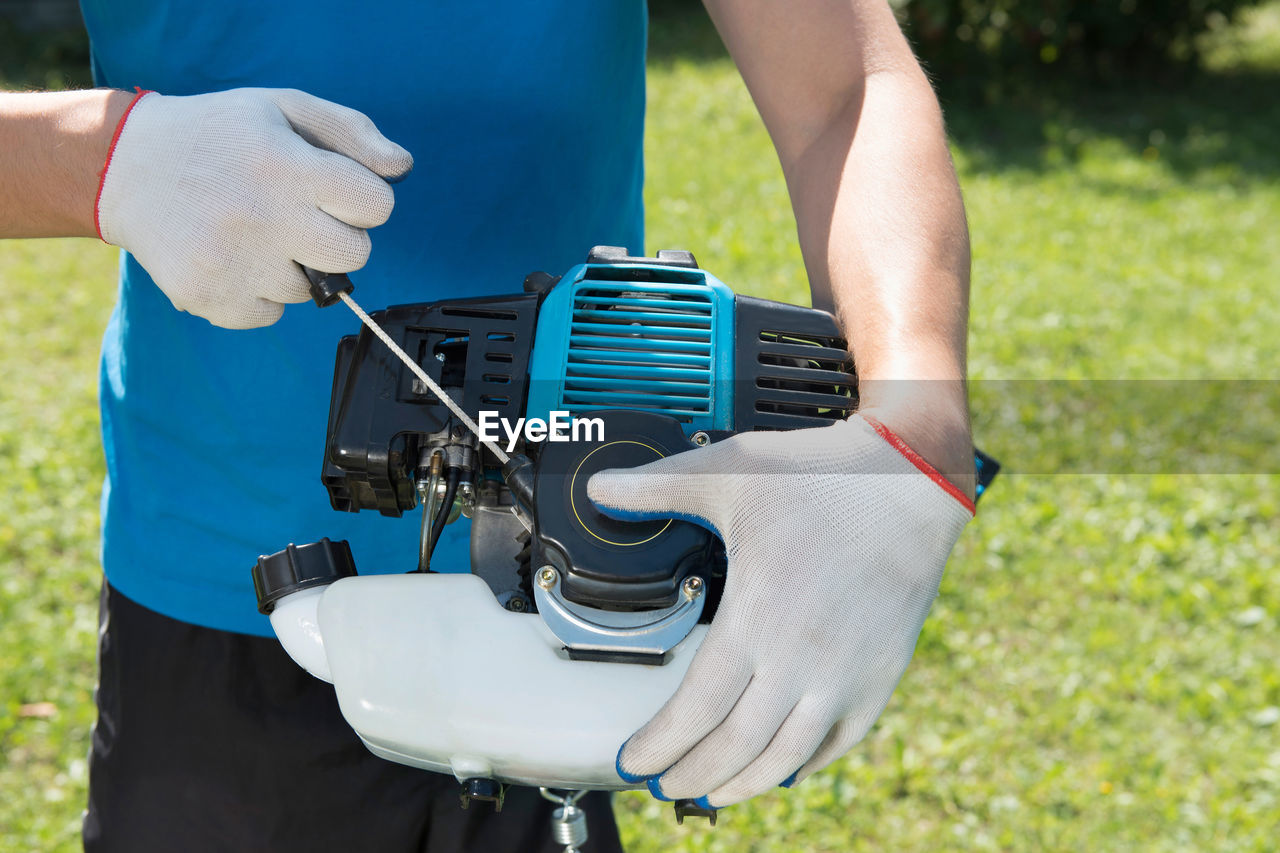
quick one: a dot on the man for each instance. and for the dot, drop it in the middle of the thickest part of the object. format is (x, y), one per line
(524, 122)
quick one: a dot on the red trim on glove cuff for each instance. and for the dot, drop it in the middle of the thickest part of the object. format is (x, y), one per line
(917, 460)
(115, 137)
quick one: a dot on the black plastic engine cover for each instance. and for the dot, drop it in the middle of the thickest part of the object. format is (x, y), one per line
(605, 562)
(477, 349)
(794, 367)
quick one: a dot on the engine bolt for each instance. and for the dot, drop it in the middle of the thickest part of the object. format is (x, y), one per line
(547, 577)
(700, 438)
(692, 586)
(517, 604)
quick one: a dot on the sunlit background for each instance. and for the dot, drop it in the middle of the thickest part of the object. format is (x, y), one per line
(1099, 672)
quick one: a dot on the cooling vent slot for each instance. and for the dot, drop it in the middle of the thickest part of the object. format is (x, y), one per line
(638, 346)
(805, 375)
(794, 367)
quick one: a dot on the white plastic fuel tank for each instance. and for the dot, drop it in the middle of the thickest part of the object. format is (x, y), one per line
(431, 672)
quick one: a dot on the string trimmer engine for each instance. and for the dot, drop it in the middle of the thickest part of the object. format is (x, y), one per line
(568, 629)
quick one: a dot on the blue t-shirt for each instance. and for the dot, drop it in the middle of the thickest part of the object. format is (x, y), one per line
(525, 121)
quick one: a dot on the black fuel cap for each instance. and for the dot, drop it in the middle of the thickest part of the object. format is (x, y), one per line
(300, 567)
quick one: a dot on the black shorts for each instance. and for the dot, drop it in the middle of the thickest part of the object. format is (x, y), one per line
(213, 741)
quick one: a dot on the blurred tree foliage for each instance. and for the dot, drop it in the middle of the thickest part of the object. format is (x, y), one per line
(1096, 40)
(54, 56)
(993, 45)
(998, 47)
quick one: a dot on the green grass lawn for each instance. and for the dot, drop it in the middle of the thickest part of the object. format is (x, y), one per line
(1099, 671)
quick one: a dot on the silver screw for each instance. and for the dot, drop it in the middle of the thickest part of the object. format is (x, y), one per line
(547, 577)
(700, 438)
(692, 586)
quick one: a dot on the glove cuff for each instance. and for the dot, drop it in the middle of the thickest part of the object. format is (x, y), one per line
(919, 461)
(111, 150)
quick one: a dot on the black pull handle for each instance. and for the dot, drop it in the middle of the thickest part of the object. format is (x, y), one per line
(325, 286)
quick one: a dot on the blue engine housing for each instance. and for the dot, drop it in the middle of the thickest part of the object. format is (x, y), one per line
(636, 336)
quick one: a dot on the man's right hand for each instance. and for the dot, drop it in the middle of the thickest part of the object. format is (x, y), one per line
(221, 196)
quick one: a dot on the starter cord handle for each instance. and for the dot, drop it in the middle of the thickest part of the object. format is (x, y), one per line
(327, 287)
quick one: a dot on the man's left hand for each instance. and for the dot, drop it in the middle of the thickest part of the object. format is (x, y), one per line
(836, 539)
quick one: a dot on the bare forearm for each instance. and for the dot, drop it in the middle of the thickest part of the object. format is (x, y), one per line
(52, 149)
(881, 224)
(883, 232)
(882, 229)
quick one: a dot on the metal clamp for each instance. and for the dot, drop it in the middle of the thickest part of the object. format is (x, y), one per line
(644, 632)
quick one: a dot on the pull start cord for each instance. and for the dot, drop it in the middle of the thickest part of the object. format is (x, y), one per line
(517, 471)
(444, 397)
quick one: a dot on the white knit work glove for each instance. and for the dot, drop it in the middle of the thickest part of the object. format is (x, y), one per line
(836, 539)
(218, 195)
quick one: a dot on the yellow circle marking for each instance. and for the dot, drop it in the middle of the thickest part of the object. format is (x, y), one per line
(574, 504)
